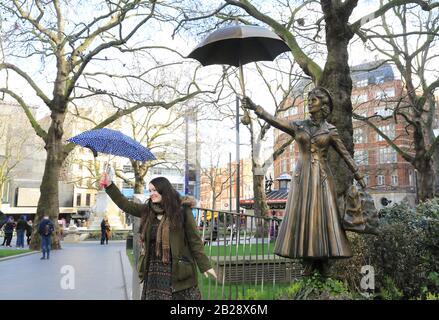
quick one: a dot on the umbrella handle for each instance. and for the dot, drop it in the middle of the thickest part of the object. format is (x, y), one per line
(241, 79)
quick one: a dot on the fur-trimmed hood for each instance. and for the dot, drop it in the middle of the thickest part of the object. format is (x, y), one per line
(188, 201)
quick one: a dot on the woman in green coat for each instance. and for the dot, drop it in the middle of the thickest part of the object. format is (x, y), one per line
(171, 244)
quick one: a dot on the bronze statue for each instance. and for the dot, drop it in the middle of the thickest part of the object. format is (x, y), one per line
(312, 228)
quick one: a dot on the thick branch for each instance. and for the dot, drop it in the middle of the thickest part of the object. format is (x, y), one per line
(38, 130)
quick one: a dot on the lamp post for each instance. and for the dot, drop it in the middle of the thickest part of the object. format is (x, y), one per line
(238, 180)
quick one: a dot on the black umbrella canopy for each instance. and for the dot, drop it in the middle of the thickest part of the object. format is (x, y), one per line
(238, 45)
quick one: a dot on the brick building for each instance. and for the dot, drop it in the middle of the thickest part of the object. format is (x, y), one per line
(219, 177)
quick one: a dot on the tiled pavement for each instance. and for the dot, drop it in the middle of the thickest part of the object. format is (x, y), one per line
(80, 271)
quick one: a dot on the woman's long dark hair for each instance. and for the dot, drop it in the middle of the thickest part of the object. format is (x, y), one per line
(171, 202)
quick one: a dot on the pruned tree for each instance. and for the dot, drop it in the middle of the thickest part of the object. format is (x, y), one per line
(410, 43)
(64, 54)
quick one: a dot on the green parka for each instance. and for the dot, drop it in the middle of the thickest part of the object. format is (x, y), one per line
(187, 248)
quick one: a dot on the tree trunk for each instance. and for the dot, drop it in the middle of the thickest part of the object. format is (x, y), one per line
(336, 78)
(48, 204)
(436, 171)
(426, 179)
(138, 184)
(260, 206)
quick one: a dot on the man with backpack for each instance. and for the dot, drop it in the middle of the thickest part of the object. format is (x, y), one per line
(45, 229)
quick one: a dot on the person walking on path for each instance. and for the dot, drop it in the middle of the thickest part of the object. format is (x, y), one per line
(21, 229)
(105, 231)
(28, 231)
(8, 229)
(45, 229)
(171, 245)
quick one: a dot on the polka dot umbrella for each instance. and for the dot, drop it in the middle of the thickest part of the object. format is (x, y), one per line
(112, 142)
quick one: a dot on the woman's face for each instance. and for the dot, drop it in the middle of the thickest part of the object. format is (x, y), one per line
(155, 196)
(314, 103)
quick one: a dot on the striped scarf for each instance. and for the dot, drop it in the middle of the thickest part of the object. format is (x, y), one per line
(162, 246)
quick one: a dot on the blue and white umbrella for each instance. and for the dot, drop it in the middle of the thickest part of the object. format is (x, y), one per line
(112, 142)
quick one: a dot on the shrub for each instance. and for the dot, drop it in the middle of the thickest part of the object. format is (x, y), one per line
(316, 287)
(404, 254)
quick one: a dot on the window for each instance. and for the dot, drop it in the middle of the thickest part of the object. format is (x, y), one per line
(78, 200)
(394, 179)
(383, 111)
(361, 98)
(361, 157)
(380, 180)
(379, 79)
(388, 130)
(292, 111)
(283, 166)
(361, 83)
(387, 155)
(359, 135)
(387, 93)
(127, 169)
(178, 186)
(390, 92)
(87, 199)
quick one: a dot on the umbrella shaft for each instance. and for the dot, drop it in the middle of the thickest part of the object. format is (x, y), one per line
(241, 79)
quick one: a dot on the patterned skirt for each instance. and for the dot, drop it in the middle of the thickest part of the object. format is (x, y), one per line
(158, 281)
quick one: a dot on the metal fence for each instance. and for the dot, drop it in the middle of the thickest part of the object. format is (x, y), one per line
(241, 250)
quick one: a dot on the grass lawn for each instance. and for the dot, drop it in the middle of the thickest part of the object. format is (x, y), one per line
(11, 252)
(246, 250)
(238, 291)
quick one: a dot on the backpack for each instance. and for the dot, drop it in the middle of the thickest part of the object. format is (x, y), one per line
(47, 229)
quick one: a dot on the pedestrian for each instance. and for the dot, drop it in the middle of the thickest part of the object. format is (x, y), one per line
(29, 229)
(8, 229)
(105, 230)
(45, 229)
(171, 246)
(21, 229)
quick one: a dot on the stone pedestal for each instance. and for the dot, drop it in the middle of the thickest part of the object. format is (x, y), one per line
(105, 207)
(72, 234)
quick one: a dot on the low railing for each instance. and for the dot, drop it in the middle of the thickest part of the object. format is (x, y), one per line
(241, 249)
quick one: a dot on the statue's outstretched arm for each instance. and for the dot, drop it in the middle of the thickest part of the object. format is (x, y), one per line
(282, 124)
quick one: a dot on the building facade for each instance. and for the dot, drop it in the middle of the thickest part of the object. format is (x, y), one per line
(219, 183)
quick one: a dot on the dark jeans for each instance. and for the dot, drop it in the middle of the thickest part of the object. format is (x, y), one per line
(46, 244)
(7, 240)
(104, 237)
(20, 238)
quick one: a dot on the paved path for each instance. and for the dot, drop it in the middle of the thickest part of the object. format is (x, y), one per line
(98, 274)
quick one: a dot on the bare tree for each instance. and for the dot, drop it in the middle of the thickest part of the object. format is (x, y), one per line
(59, 40)
(154, 129)
(326, 28)
(410, 43)
(216, 177)
(15, 136)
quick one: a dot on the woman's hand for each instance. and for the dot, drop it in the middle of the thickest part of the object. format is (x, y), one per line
(104, 181)
(211, 272)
